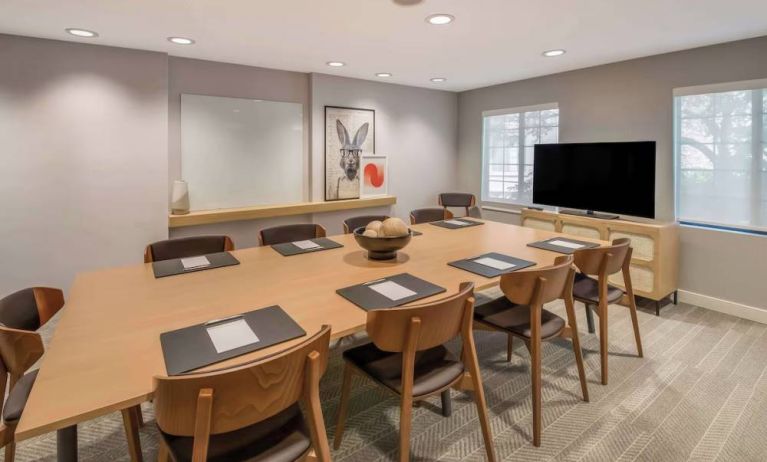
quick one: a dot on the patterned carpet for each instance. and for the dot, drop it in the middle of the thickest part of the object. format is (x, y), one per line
(699, 394)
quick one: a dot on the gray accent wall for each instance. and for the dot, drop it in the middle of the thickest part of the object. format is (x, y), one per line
(632, 100)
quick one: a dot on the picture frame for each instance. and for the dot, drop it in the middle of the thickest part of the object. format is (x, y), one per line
(349, 135)
(374, 177)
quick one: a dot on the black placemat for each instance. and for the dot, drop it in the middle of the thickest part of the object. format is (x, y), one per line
(445, 224)
(191, 348)
(546, 245)
(469, 264)
(288, 248)
(173, 267)
(368, 299)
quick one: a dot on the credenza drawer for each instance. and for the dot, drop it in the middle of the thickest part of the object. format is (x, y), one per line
(581, 230)
(642, 278)
(643, 245)
(539, 224)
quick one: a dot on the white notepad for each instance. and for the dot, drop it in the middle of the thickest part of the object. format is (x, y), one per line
(569, 245)
(392, 290)
(194, 262)
(230, 335)
(494, 263)
(457, 222)
(306, 245)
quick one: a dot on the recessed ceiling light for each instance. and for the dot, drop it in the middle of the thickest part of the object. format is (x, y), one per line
(82, 33)
(181, 40)
(438, 79)
(383, 74)
(553, 53)
(335, 64)
(440, 19)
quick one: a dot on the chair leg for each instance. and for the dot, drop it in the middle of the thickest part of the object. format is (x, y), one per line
(139, 415)
(589, 318)
(603, 341)
(131, 433)
(575, 338)
(10, 451)
(635, 323)
(343, 407)
(535, 368)
(447, 404)
(509, 347)
(405, 424)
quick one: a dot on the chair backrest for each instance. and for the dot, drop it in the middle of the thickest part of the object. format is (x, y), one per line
(187, 247)
(609, 259)
(242, 395)
(539, 285)
(290, 233)
(21, 314)
(350, 224)
(429, 215)
(440, 321)
(465, 200)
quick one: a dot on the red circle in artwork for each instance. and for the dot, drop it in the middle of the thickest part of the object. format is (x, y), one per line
(374, 175)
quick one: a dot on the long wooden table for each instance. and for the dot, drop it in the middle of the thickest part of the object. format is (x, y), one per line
(106, 348)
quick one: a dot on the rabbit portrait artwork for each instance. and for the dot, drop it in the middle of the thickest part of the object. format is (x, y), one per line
(343, 151)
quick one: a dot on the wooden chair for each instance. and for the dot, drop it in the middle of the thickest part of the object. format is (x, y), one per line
(408, 358)
(290, 233)
(248, 412)
(520, 313)
(602, 262)
(21, 314)
(187, 247)
(418, 216)
(350, 224)
(465, 200)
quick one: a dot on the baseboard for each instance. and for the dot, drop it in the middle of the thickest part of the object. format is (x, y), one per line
(724, 306)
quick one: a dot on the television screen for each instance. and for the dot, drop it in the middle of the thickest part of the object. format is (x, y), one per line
(607, 177)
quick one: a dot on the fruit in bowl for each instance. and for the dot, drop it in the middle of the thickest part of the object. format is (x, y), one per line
(382, 240)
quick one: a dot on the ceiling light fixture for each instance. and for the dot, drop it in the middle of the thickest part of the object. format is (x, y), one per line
(181, 40)
(553, 53)
(440, 19)
(335, 64)
(82, 33)
(383, 74)
(438, 79)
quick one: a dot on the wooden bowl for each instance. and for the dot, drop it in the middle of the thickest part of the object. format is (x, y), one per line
(381, 248)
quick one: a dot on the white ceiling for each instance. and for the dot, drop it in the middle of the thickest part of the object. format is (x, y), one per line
(491, 41)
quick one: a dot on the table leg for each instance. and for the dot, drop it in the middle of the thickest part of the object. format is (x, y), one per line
(130, 422)
(66, 444)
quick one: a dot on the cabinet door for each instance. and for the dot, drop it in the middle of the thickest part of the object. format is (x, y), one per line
(642, 279)
(538, 224)
(581, 230)
(643, 244)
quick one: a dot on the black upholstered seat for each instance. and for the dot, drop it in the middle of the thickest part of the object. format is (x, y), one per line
(17, 398)
(186, 247)
(586, 290)
(505, 315)
(283, 437)
(434, 368)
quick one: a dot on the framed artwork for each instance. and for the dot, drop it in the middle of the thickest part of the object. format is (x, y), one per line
(349, 134)
(375, 176)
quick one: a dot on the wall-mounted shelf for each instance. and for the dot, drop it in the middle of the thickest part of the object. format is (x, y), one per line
(204, 217)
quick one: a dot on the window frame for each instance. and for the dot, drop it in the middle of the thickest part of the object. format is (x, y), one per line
(521, 110)
(758, 142)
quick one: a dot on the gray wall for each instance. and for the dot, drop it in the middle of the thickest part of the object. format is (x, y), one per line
(632, 100)
(83, 142)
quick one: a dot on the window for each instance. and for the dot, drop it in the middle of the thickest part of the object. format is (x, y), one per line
(508, 138)
(721, 155)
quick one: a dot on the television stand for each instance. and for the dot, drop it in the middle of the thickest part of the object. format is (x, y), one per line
(590, 214)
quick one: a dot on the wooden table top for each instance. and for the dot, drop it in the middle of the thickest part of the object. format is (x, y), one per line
(106, 347)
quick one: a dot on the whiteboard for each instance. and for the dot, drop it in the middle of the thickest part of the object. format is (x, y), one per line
(238, 152)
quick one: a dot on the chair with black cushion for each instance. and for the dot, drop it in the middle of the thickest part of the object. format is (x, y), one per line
(290, 233)
(597, 294)
(465, 200)
(520, 313)
(350, 224)
(407, 356)
(187, 247)
(429, 215)
(248, 412)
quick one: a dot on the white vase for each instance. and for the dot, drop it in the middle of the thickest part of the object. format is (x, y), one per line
(179, 202)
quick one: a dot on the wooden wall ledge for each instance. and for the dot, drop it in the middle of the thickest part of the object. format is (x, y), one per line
(204, 217)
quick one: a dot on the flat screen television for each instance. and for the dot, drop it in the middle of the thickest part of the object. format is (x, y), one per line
(618, 178)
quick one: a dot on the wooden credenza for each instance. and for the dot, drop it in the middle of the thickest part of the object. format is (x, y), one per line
(654, 262)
